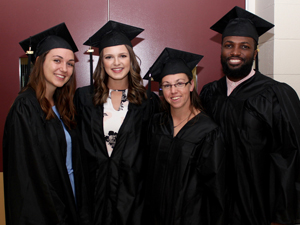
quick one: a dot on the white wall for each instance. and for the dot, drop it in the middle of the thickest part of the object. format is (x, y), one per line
(287, 42)
(280, 47)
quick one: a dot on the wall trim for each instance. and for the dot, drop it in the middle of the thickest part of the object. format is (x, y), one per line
(250, 5)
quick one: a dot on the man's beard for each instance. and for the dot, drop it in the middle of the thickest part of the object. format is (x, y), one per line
(237, 73)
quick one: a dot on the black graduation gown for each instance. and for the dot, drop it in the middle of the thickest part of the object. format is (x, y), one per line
(186, 173)
(37, 188)
(261, 125)
(116, 181)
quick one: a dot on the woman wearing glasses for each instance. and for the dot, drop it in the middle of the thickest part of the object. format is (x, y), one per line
(186, 169)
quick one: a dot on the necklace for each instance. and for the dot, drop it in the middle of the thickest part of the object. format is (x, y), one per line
(182, 121)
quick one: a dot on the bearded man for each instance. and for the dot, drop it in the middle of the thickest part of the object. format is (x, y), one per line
(261, 124)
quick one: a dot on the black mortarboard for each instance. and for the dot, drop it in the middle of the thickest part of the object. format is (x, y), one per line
(239, 22)
(55, 37)
(173, 61)
(112, 34)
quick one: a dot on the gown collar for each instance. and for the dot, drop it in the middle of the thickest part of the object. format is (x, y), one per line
(231, 85)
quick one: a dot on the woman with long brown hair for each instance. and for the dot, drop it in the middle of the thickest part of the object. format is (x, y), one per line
(113, 116)
(44, 178)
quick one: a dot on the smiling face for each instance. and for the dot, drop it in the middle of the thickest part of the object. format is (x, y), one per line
(58, 68)
(116, 61)
(177, 97)
(237, 56)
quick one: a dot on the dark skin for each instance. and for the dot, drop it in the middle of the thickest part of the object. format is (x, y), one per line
(237, 51)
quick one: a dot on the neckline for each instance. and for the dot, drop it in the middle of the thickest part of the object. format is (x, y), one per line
(184, 124)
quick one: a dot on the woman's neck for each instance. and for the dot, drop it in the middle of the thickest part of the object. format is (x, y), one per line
(49, 96)
(180, 113)
(117, 84)
(180, 117)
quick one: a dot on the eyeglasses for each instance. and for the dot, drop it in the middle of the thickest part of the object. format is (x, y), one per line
(177, 85)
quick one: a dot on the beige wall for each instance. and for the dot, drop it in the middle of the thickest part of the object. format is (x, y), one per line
(279, 48)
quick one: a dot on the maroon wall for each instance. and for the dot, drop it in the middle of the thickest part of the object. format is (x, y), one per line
(169, 23)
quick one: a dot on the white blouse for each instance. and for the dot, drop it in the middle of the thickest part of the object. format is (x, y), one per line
(113, 119)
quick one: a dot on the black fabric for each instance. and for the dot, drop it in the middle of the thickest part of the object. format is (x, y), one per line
(36, 183)
(173, 61)
(113, 33)
(261, 125)
(186, 173)
(240, 22)
(51, 42)
(54, 37)
(241, 27)
(116, 181)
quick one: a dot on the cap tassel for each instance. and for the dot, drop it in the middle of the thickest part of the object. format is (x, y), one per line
(256, 63)
(91, 68)
(29, 53)
(149, 85)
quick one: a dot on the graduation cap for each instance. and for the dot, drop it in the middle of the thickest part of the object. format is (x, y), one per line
(239, 22)
(173, 61)
(55, 37)
(111, 34)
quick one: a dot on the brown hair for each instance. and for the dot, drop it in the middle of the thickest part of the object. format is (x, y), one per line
(63, 96)
(195, 101)
(136, 90)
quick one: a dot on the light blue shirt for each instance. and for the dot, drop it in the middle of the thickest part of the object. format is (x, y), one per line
(69, 152)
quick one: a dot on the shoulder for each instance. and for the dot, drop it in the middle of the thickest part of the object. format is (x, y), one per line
(200, 128)
(270, 88)
(161, 124)
(215, 84)
(213, 87)
(158, 117)
(84, 91)
(84, 96)
(270, 97)
(283, 87)
(26, 101)
(210, 86)
(149, 105)
(25, 109)
(205, 123)
(154, 101)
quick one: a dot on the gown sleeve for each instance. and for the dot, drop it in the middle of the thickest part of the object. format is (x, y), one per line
(205, 96)
(153, 104)
(27, 192)
(211, 168)
(285, 158)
